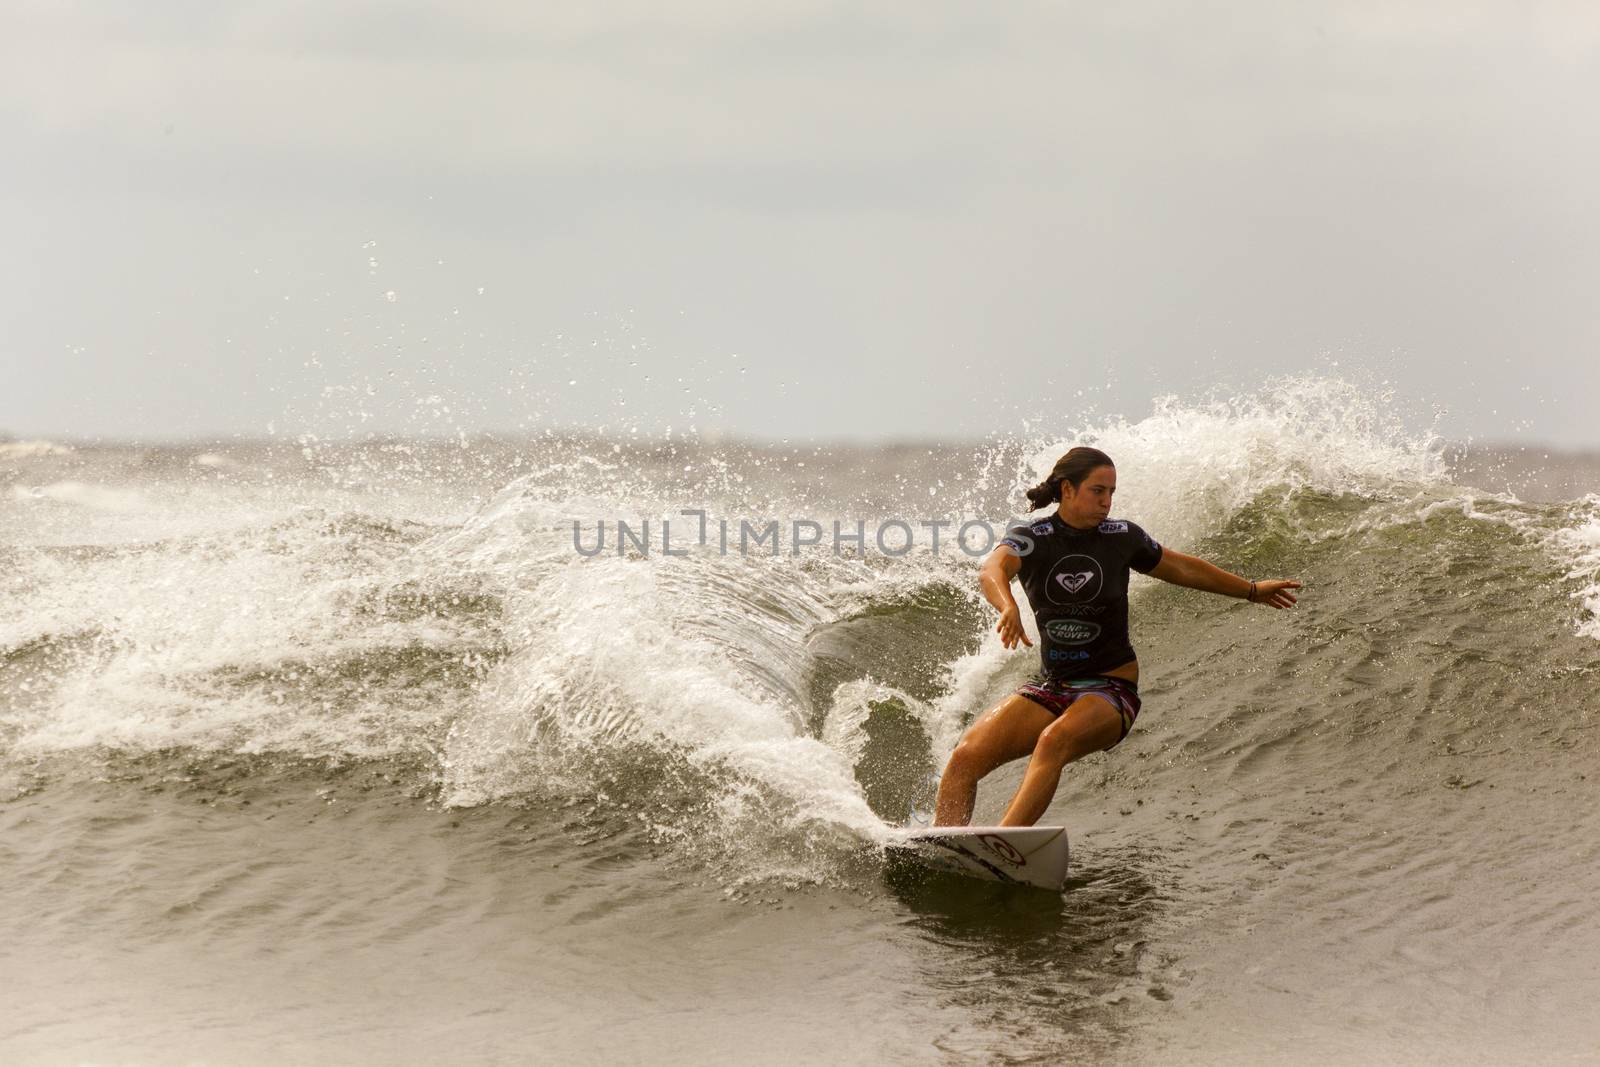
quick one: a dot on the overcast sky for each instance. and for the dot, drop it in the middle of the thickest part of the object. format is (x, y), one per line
(814, 220)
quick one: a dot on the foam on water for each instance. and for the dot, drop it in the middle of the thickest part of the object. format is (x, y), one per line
(1580, 544)
(1187, 468)
(292, 636)
(77, 493)
(698, 658)
(15, 450)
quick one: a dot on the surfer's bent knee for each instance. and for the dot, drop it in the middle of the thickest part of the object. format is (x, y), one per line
(961, 762)
(1084, 728)
(970, 760)
(1006, 732)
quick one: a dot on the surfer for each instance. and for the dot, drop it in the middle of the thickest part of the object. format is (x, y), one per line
(1074, 569)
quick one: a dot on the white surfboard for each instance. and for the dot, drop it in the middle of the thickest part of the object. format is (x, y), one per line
(1020, 855)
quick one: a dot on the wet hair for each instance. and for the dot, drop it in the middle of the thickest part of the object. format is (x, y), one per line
(1073, 467)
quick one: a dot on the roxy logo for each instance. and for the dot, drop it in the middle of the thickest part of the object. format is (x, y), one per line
(1075, 582)
(1073, 579)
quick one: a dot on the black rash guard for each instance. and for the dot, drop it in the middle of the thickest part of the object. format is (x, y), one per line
(1077, 584)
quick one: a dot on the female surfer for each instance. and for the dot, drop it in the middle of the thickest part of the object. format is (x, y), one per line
(1074, 569)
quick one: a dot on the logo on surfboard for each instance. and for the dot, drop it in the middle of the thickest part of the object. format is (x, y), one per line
(1004, 849)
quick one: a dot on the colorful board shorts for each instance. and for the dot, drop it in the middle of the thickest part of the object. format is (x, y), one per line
(1057, 695)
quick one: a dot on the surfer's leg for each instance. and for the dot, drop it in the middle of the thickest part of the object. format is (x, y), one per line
(1089, 725)
(1005, 732)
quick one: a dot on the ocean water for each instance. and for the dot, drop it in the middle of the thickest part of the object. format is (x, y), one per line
(346, 751)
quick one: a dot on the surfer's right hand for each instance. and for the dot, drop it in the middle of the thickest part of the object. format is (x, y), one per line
(1010, 628)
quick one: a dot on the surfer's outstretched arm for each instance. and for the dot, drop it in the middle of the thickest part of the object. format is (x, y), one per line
(1195, 573)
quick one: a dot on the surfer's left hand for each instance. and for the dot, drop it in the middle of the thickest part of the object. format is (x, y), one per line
(1275, 593)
